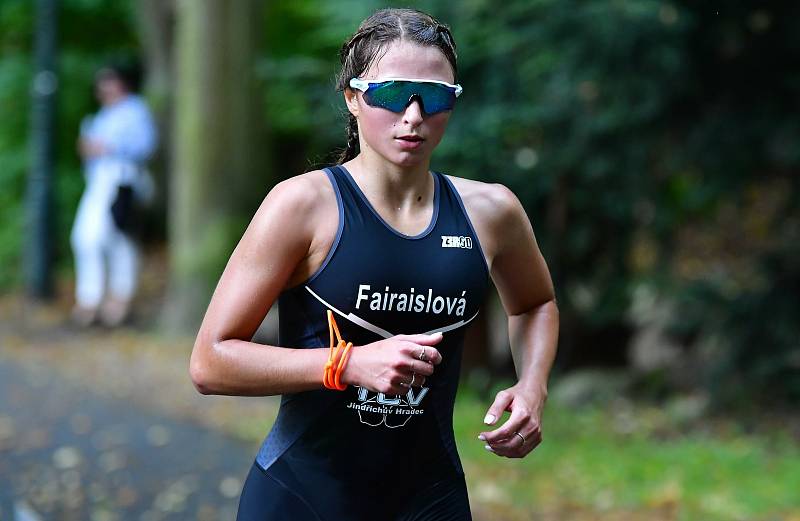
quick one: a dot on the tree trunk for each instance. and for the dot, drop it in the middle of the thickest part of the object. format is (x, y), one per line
(38, 266)
(156, 29)
(217, 177)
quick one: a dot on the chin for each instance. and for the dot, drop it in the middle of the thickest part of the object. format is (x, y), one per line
(409, 160)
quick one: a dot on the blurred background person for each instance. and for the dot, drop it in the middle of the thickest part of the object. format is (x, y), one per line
(114, 144)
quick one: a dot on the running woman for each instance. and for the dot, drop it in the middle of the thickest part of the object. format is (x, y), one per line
(379, 265)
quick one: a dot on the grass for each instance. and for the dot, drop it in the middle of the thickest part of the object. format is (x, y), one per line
(620, 461)
(626, 461)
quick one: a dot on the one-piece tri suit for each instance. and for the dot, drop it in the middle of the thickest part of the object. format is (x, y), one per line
(358, 455)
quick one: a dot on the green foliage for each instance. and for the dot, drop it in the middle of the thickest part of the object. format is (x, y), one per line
(620, 125)
(611, 460)
(631, 130)
(305, 112)
(561, 103)
(569, 101)
(14, 77)
(751, 334)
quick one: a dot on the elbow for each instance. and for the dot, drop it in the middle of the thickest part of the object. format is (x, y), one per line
(201, 374)
(199, 378)
(548, 307)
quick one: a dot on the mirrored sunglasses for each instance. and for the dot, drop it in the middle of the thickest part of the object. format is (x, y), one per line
(396, 94)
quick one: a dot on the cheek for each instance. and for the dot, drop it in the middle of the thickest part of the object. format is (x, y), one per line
(376, 122)
(437, 124)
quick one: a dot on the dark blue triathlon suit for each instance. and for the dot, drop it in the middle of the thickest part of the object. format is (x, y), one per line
(357, 455)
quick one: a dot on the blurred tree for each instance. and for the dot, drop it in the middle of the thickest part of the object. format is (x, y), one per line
(570, 101)
(626, 128)
(39, 258)
(156, 28)
(218, 175)
(732, 210)
(651, 142)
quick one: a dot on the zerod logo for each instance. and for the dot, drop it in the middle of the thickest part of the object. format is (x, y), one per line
(456, 241)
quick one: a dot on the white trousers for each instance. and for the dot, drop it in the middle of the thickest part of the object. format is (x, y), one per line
(106, 260)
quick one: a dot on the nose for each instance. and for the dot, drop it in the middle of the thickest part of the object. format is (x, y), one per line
(413, 114)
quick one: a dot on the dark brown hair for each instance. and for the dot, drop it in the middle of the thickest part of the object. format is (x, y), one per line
(372, 39)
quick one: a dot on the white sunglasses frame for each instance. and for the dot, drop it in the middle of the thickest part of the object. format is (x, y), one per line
(363, 85)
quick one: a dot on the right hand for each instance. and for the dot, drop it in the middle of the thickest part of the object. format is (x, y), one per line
(387, 366)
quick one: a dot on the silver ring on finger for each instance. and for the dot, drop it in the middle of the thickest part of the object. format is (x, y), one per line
(413, 377)
(422, 354)
(520, 437)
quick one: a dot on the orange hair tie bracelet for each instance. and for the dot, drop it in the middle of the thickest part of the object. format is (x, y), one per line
(337, 358)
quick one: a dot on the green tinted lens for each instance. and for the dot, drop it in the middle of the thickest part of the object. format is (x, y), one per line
(396, 95)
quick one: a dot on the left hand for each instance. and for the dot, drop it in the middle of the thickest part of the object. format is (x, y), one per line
(90, 149)
(525, 406)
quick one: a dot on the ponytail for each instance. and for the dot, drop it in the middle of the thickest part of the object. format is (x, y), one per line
(352, 147)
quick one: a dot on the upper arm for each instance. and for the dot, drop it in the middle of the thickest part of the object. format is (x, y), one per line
(518, 268)
(276, 241)
(135, 134)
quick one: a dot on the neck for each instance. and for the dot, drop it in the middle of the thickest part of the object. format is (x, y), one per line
(397, 185)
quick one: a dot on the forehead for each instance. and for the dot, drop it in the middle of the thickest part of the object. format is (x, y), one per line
(106, 75)
(404, 59)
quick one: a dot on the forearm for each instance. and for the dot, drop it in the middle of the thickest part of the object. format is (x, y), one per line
(533, 336)
(241, 368)
(138, 149)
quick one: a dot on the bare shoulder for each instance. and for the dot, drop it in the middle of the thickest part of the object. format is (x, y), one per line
(302, 192)
(488, 201)
(493, 209)
(302, 201)
(303, 211)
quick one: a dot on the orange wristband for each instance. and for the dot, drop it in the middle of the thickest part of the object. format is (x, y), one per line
(338, 356)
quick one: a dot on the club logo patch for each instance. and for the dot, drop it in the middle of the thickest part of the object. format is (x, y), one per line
(376, 409)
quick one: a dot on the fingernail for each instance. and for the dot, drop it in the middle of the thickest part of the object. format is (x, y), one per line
(481, 437)
(489, 419)
(438, 333)
(487, 447)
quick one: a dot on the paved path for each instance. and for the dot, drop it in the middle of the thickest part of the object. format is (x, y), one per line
(69, 454)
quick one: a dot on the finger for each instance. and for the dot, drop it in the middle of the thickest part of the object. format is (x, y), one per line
(499, 451)
(423, 368)
(401, 386)
(500, 404)
(413, 380)
(431, 354)
(427, 340)
(517, 422)
(506, 452)
(512, 447)
(520, 420)
(517, 446)
(428, 354)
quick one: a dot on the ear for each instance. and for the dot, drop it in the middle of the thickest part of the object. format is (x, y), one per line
(351, 99)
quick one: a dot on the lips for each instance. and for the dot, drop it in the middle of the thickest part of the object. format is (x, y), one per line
(409, 142)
